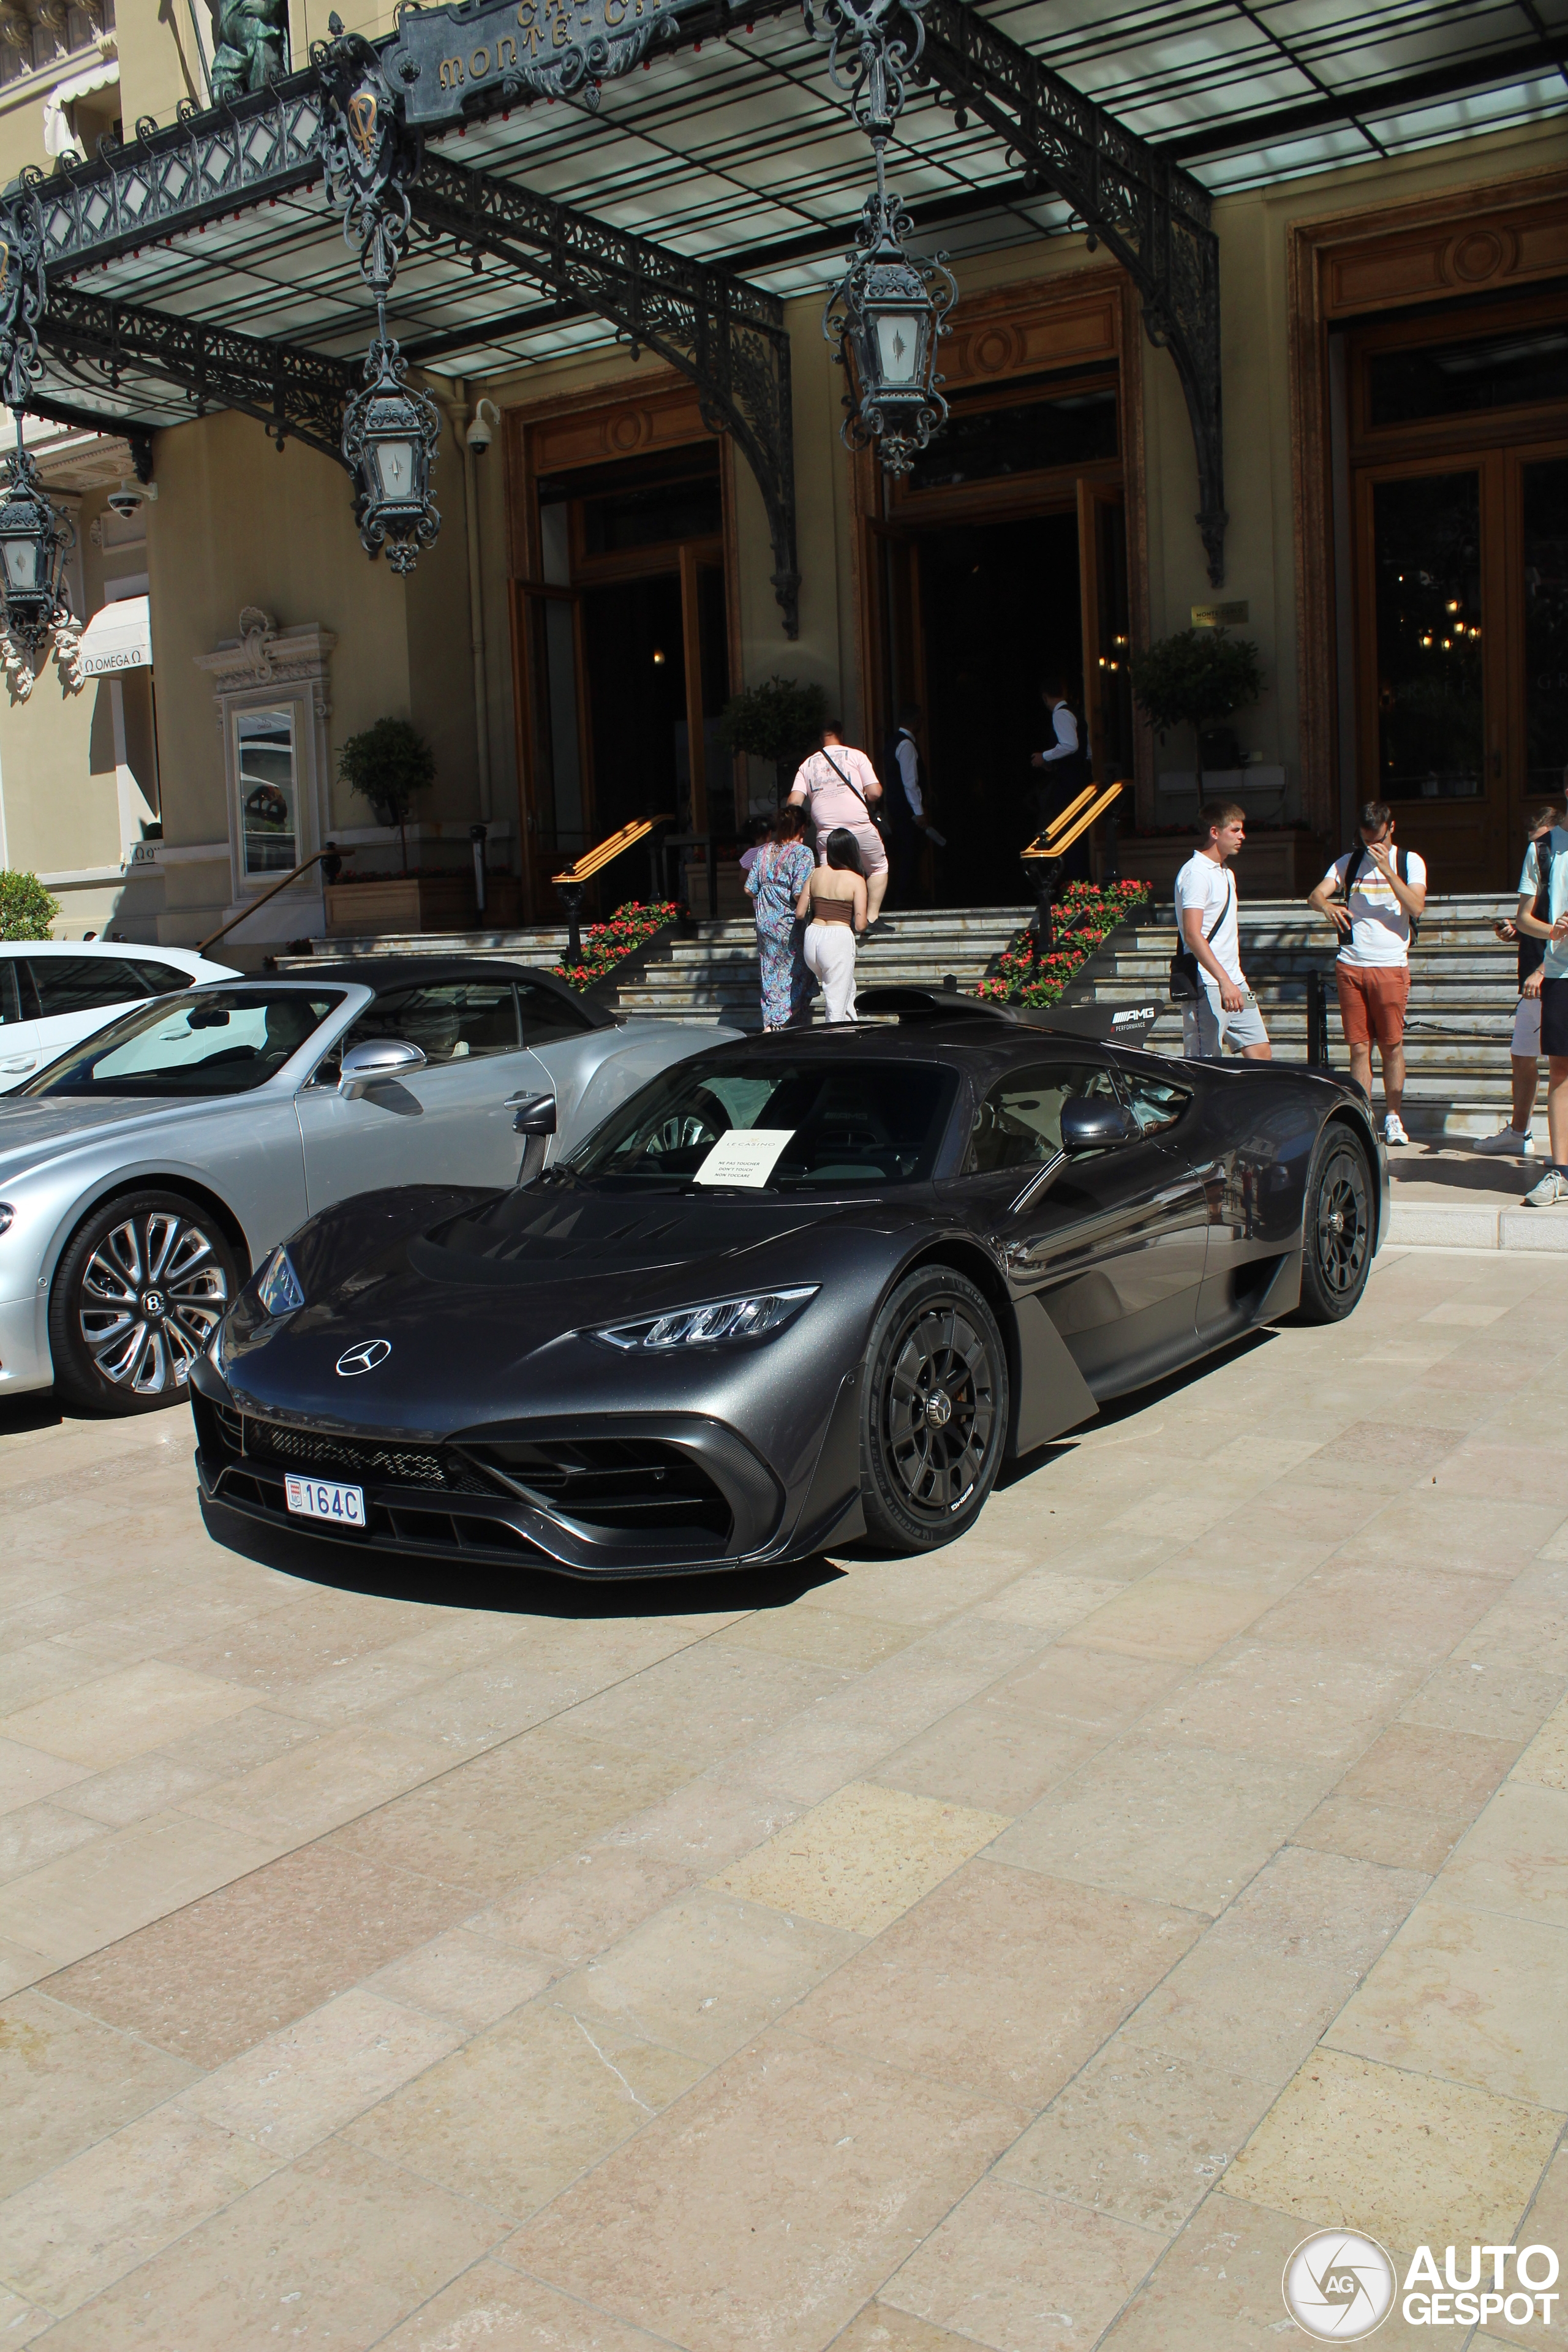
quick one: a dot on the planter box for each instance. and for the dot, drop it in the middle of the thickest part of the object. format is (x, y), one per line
(419, 902)
(1272, 866)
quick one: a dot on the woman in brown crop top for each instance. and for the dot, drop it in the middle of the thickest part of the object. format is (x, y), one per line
(833, 904)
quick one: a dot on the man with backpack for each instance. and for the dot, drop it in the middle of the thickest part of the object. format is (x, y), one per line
(1206, 977)
(1545, 877)
(1374, 895)
(1525, 1044)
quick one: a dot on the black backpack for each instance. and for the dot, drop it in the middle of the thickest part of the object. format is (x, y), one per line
(1361, 855)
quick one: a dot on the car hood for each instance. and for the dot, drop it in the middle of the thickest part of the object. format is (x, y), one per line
(481, 1297)
(33, 1130)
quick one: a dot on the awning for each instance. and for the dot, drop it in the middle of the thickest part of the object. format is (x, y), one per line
(117, 637)
(58, 136)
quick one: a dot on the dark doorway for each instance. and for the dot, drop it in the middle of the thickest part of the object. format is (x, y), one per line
(636, 701)
(999, 608)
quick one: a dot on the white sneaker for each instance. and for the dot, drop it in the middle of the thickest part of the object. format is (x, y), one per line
(1509, 1138)
(1393, 1129)
(1549, 1194)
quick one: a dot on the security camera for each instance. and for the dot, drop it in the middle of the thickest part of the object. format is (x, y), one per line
(125, 500)
(478, 434)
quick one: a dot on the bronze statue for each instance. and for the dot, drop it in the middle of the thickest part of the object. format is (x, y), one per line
(253, 45)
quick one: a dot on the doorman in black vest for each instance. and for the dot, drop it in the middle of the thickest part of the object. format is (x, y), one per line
(1064, 772)
(903, 802)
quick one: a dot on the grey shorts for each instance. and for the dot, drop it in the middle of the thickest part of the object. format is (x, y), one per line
(1207, 1028)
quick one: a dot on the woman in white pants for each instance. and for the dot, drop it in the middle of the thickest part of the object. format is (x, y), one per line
(833, 904)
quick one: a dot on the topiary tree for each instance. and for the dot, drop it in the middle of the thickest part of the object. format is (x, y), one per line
(1194, 680)
(26, 910)
(386, 764)
(779, 720)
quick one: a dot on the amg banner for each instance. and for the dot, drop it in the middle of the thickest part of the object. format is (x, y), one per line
(443, 56)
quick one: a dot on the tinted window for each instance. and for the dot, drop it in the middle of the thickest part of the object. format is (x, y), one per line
(982, 445)
(162, 979)
(848, 1123)
(547, 1016)
(84, 983)
(1457, 379)
(449, 1021)
(1153, 1102)
(1019, 1124)
(214, 1042)
(10, 998)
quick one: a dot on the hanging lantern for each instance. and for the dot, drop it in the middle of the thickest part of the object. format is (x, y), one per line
(389, 439)
(886, 316)
(36, 540)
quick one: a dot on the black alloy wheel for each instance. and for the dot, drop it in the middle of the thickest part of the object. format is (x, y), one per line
(933, 1416)
(1337, 1227)
(137, 1297)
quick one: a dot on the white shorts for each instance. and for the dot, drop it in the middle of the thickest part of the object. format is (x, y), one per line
(1526, 1040)
(1207, 1028)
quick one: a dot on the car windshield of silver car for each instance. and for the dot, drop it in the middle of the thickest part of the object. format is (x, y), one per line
(214, 1041)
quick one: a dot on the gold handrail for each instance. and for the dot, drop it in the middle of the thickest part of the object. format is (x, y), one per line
(1059, 845)
(233, 925)
(1067, 813)
(592, 860)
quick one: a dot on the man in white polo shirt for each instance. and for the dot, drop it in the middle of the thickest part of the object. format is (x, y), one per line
(1374, 895)
(1225, 1010)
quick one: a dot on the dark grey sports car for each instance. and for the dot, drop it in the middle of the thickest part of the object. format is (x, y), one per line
(798, 1290)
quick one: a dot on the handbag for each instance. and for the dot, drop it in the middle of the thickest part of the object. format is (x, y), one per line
(1185, 982)
(873, 816)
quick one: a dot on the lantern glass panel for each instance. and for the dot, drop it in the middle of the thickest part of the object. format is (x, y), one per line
(23, 563)
(900, 335)
(394, 465)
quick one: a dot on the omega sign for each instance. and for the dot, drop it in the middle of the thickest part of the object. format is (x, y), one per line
(554, 47)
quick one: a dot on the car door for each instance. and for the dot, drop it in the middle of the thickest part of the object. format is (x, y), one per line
(449, 1123)
(1112, 1241)
(61, 999)
(18, 1023)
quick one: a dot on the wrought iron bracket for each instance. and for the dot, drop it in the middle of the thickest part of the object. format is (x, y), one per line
(726, 336)
(1154, 216)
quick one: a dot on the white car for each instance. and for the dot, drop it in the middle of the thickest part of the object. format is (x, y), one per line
(55, 993)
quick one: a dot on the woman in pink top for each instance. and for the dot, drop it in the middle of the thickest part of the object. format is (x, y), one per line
(838, 788)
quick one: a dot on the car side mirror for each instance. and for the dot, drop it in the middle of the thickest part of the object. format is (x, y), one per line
(535, 1115)
(374, 1062)
(1089, 1123)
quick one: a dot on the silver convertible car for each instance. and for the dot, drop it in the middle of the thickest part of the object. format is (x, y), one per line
(146, 1172)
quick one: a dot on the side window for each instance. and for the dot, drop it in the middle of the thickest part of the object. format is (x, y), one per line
(162, 979)
(1019, 1124)
(547, 1018)
(85, 984)
(10, 995)
(449, 1021)
(1154, 1103)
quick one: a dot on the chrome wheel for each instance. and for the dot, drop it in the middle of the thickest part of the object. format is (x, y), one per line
(149, 1299)
(1343, 1220)
(939, 1409)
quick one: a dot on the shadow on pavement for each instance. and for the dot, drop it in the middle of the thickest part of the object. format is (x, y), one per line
(511, 1591)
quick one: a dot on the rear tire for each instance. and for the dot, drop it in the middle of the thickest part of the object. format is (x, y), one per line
(137, 1295)
(934, 1412)
(1338, 1227)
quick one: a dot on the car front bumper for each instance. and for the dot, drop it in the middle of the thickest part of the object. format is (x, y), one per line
(25, 1361)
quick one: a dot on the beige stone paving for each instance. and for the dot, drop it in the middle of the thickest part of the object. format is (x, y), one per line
(1024, 1947)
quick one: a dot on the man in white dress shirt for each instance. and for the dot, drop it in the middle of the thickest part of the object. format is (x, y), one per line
(903, 804)
(1064, 769)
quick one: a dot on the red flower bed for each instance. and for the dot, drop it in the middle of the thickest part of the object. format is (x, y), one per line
(1084, 915)
(605, 945)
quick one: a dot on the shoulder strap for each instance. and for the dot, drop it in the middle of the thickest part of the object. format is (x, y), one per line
(1355, 860)
(1229, 896)
(844, 780)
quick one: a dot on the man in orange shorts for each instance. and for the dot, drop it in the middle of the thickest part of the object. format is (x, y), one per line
(1374, 895)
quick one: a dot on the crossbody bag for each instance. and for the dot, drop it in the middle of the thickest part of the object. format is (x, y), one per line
(1185, 966)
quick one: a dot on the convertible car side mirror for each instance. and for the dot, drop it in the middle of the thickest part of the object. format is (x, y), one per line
(533, 1115)
(1089, 1123)
(375, 1061)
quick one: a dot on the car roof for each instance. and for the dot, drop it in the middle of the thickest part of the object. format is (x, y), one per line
(400, 971)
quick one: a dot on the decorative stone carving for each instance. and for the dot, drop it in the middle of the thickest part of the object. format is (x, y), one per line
(258, 632)
(20, 675)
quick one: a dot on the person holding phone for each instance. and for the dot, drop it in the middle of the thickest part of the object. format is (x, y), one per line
(1374, 895)
(1524, 1046)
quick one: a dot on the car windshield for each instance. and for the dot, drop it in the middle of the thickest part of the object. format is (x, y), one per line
(749, 1123)
(213, 1041)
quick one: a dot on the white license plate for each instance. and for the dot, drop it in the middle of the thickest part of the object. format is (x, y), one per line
(319, 1498)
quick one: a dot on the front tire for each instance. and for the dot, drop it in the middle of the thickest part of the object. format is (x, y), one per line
(1338, 1227)
(934, 1412)
(137, 1295)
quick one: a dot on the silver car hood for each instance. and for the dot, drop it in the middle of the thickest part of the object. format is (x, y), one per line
(33, 1133)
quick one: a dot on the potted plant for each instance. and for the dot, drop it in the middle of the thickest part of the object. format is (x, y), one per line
(386, 765)
(778, 720)
(1195, 678)
(26, 910)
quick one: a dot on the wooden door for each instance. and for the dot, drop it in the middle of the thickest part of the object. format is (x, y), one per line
(555, 746)
(1107, 632)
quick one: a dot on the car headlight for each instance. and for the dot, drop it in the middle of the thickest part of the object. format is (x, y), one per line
(721, 1318)
(278, 1289)
(7, 1216)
